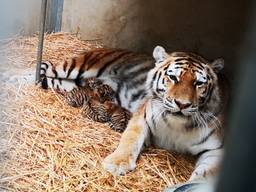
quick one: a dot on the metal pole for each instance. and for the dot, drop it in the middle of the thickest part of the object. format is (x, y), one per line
(41, 39)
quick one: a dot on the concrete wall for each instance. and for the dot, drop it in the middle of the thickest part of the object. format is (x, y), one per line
(98, 19)
(212, 28)
(19, 17)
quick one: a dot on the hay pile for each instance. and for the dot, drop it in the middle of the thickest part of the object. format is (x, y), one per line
(51, 147)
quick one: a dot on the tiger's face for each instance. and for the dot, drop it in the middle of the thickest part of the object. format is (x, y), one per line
(184, 81)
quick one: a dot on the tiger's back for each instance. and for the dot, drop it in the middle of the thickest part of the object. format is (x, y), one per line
(124, 71)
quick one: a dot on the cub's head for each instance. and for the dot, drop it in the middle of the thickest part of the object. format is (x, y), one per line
(185, 82)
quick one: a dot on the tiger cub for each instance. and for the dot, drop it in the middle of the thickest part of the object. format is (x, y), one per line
(97, 101)
(177, 101)
(116, 116)
(93, 89)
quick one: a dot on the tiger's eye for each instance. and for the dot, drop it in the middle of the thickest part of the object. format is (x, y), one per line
(174, 78)
(199, 83)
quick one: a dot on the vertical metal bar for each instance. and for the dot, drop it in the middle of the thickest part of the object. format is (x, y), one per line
(54, 15)
(50, 16)
(59, 16)
(41, 39)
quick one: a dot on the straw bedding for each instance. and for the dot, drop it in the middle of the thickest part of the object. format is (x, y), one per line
(47, 145)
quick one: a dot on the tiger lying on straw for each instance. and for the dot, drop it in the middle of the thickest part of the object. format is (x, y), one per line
(97, 101)
(177, 102)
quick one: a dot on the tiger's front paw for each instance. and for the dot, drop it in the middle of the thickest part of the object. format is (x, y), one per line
(118, 164)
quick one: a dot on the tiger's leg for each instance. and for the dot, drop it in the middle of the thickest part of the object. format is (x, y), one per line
(58, 84)
(52, 79)
(124, 158)
(59, 71)
(56, 77)
(207, 165)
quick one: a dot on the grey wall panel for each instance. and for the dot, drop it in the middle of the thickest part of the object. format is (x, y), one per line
(19, 17)
(212, 28)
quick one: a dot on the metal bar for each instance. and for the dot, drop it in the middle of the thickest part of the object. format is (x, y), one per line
(41, 39)
(54, 16)
(59, 16)
(50, 16)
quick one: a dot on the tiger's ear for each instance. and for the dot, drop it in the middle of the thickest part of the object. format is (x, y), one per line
(218, 65)
(159, 54)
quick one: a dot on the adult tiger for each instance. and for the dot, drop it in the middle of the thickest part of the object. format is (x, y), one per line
(177, 102)
(124, 71)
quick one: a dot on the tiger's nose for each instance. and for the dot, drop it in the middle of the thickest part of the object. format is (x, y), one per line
(182, 105)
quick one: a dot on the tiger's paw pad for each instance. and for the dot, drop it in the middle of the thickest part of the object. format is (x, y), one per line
(118, 165)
